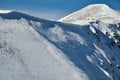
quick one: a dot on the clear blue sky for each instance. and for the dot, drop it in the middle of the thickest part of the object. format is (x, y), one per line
(52, 9)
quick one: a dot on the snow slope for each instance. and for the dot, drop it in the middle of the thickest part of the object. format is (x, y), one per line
(39, 49)
(100, 16)
(93, 12)
(27, 55)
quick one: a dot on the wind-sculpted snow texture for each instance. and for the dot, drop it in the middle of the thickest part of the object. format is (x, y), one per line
(39, 49)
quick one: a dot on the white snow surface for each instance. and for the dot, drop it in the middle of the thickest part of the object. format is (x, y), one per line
(38, 49)
(5, 11)
(93, 12)
(27, 55)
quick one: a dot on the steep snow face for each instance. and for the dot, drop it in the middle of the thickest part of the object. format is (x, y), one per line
(27, 55)
(110, 30)
(37, 49)
(93, 12)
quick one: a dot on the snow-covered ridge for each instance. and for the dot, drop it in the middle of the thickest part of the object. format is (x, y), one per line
(11, 14)
(5, 11)
(91, 13)
(36, 49)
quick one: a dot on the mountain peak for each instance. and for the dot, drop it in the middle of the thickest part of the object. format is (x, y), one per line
(99, 6)
(93, 12)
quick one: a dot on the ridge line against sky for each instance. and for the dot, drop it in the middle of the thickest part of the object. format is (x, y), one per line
(53, 9)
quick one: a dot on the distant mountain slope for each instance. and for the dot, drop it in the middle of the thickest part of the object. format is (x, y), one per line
(38, 49)
(93, 12)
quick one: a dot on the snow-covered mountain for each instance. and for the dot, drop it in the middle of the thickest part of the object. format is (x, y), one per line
(37, 49)
(93, 12)
(100, 16)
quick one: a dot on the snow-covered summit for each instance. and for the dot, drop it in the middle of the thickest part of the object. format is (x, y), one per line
(91, 13)
(102, 6)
